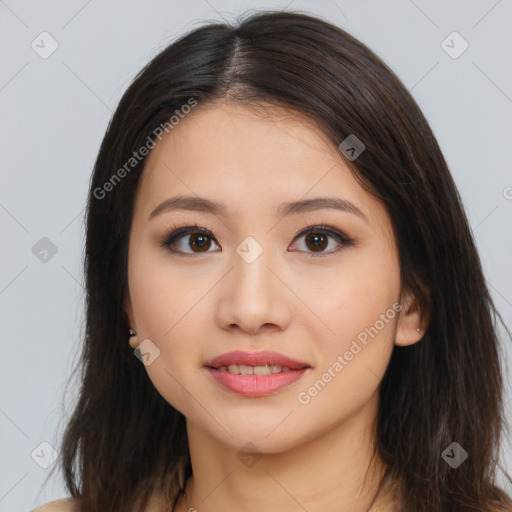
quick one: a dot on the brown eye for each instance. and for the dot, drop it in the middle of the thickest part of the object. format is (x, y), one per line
(189, 240)
(317, 240)
(199, 241)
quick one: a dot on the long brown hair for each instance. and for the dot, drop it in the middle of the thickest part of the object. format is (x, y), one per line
(446, 388)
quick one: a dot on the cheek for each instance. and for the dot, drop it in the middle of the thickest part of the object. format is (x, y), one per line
(353, 361)
(153, 306)
(358, 298)
(168, 313)
(158, 297)
(361, 310)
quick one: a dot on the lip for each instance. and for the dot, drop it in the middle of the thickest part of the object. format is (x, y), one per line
(256, 385)
(260, 358)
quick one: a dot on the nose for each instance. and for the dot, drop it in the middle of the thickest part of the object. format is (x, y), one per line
(253, 298)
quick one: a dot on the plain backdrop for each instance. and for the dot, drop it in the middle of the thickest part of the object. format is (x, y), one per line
(54, 112)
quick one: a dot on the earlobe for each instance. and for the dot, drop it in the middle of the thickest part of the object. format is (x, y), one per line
(133, 340)
(410, 326)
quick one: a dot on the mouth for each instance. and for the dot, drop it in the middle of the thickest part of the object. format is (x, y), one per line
(244, 369)
(255, 373)
(264, 362)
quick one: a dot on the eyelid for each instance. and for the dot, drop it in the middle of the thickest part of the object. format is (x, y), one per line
(176, 232)
(322, 228)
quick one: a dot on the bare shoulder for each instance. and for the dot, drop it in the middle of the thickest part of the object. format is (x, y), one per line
(60, 505)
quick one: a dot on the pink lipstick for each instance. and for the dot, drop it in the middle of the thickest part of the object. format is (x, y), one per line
(255, 373)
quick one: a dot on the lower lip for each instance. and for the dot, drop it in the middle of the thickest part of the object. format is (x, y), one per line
(256, 385)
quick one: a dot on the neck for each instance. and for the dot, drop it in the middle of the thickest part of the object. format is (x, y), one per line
(333, 471)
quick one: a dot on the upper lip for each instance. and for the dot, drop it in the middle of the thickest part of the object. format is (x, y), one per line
(261, 358)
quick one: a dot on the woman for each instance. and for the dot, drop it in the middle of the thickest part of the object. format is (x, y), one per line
(273, 232)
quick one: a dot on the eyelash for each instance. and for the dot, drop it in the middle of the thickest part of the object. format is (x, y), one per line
(177, 233)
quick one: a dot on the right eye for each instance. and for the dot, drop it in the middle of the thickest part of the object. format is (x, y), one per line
(199, 240)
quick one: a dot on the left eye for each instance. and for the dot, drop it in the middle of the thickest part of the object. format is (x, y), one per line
(316, 238)
(200, 240)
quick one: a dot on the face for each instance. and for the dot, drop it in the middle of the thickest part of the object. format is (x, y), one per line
(317, 283)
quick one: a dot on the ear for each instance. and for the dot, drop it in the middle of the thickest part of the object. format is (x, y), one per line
(409, 321)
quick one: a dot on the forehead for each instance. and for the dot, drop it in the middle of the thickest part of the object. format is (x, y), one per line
(251, 161)
(230, 137)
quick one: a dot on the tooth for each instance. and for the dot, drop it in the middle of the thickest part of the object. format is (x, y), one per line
(262, 370)
(244, 369)
(234, 368)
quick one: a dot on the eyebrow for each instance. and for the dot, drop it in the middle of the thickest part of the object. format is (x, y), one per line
(201, 204)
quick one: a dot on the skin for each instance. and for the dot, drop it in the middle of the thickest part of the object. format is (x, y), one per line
(203, 304)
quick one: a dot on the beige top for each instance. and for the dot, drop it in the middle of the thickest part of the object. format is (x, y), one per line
(60, 505)
(388, 498)
(385, 501)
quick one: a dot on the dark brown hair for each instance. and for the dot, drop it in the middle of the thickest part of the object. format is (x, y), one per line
(447, 387)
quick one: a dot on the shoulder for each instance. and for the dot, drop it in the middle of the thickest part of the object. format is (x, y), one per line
(70, 504)
(388, 497)
(60, 505)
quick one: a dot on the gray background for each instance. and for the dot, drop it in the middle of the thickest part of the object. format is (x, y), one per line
(54, 113)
